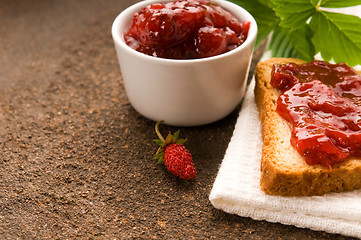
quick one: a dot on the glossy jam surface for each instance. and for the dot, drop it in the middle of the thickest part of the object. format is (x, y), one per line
(323, 103)
(187, 29)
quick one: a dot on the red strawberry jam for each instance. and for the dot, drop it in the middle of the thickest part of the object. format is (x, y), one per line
(186, 29)
(323, 103)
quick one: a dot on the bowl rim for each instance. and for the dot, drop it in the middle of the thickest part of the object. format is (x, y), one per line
(229, 6)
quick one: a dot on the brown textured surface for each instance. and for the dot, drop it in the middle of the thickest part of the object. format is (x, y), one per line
(76, 160)
(284, 171)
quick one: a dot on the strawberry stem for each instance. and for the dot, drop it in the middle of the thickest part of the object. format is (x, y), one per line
(157, 130)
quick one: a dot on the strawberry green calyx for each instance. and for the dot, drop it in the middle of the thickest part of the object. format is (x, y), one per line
(163, 143)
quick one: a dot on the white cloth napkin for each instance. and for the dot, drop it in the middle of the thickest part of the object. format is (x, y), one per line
(236, 189)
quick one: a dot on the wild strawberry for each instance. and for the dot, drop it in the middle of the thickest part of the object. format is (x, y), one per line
(177, 159)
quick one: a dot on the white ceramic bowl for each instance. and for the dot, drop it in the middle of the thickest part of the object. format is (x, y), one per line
(184, 92)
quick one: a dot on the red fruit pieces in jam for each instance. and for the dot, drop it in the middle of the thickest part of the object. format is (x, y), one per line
(185, 29)
(165, 24)
(322, 102)
(211, 41)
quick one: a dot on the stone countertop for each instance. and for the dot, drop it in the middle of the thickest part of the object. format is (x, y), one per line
(76, 160)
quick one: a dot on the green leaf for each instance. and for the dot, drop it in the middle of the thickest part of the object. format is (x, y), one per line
(159, 155)
(300, 39)
(294, 14)
(339, 3)
(268, 3)
(302, 28)
(263, 14)
(280, 44)
(292, 43)
(337, 36)
(181, 141)
(159, 142)
(176, 135)
(169, 139)
(160, 159)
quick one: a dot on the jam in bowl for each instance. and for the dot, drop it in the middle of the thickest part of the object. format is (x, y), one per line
(167, 76)
(185, 29)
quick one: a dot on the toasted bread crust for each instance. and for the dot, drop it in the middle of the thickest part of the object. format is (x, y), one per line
(283, 171)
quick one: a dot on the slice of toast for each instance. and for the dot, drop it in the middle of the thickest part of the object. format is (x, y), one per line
(283, 170)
